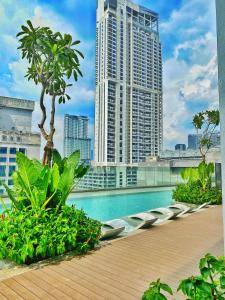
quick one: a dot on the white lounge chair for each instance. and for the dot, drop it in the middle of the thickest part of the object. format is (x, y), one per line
(204, 205)
(147, 218)
(110, 230)
(162, 214)
(128, 224)
(180, 209)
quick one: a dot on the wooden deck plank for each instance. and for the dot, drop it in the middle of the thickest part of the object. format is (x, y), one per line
(124, 268)
(8, 292)
(20, 289)
(69, 282)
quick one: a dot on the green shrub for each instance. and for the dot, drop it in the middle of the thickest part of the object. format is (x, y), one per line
(192, 192)
(209, 285)
(29, 236)
(40, 186)
(156, 291)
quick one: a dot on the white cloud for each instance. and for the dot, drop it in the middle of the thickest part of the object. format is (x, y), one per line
(190, 75)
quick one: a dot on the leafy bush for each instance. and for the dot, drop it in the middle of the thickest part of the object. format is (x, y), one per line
(210, 285)
(40, 186)
(193, 193)
(155, 291)
(29, 236)
(198, 188)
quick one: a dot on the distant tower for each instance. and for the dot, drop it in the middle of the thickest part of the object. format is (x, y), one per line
(193, 141)
(76, 136)
(128, 105)
(180, 147)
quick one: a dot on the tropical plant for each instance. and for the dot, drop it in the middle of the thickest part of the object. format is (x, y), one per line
(203, 174)
(205, 124)
(28, 235)
(194, 194)
(39, 187)
(209, 285)
(155, 291)
(52, 61)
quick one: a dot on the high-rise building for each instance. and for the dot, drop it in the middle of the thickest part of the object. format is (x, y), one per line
(76, 137)
(194, 140)
(128, 110)
(180, 147)
(16, 135)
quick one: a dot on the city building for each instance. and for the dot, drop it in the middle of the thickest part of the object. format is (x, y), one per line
(76, 137)
(180, 147)
(16, 135)
(128, 110)
(220, 12)
(194, 140)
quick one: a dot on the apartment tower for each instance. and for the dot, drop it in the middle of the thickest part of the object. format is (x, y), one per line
(76, 136)
(128, 116)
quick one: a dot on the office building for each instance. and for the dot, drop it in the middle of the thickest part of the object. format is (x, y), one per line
(128, 110)
(76, 137)
(16, 135)
(194, 140)
(180, 147)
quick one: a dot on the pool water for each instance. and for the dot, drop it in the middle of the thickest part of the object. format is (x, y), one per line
(109, 207)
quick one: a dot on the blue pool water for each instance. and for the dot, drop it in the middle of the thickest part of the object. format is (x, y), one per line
(108, 207)
(104, 208)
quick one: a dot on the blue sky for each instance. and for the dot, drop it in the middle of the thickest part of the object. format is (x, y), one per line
(188, 35)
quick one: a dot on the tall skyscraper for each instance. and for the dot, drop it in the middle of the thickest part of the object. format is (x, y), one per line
(194, 140)
(76, 136)
(128, 115)
(16, 135)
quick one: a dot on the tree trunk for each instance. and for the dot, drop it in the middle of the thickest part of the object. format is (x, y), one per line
(47, 157)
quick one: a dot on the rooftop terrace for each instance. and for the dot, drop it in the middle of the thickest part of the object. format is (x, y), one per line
(123, 269)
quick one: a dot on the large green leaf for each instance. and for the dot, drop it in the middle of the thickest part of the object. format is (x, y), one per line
(55, 177)
(27, 169)
(73, 160)
(42, 185)
(12, 197)
(66, 183)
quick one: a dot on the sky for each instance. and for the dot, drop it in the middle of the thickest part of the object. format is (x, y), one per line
(188, 36)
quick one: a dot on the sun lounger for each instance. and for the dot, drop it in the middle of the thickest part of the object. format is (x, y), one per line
(147, 218)
(204, 205)
(111, 230)
(180, 209)
(162, 214)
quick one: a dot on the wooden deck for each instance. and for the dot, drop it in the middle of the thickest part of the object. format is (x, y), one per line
(123, 269)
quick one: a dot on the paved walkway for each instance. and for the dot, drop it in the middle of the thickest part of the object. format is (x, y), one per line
(123, 269)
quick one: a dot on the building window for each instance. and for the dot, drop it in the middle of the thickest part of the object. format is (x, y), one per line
(4, 138)
(2, 171)
(2, 159)
(22, 150)
(18, 139)
(12, 159)
(11, 170)
(3, 150)
(12, 150)
(10, 182)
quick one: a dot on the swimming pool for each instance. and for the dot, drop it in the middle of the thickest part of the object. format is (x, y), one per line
(113, 206)
(108, 207)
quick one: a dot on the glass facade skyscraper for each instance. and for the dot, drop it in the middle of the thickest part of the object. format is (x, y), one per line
(128, 115)
(76, 136)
